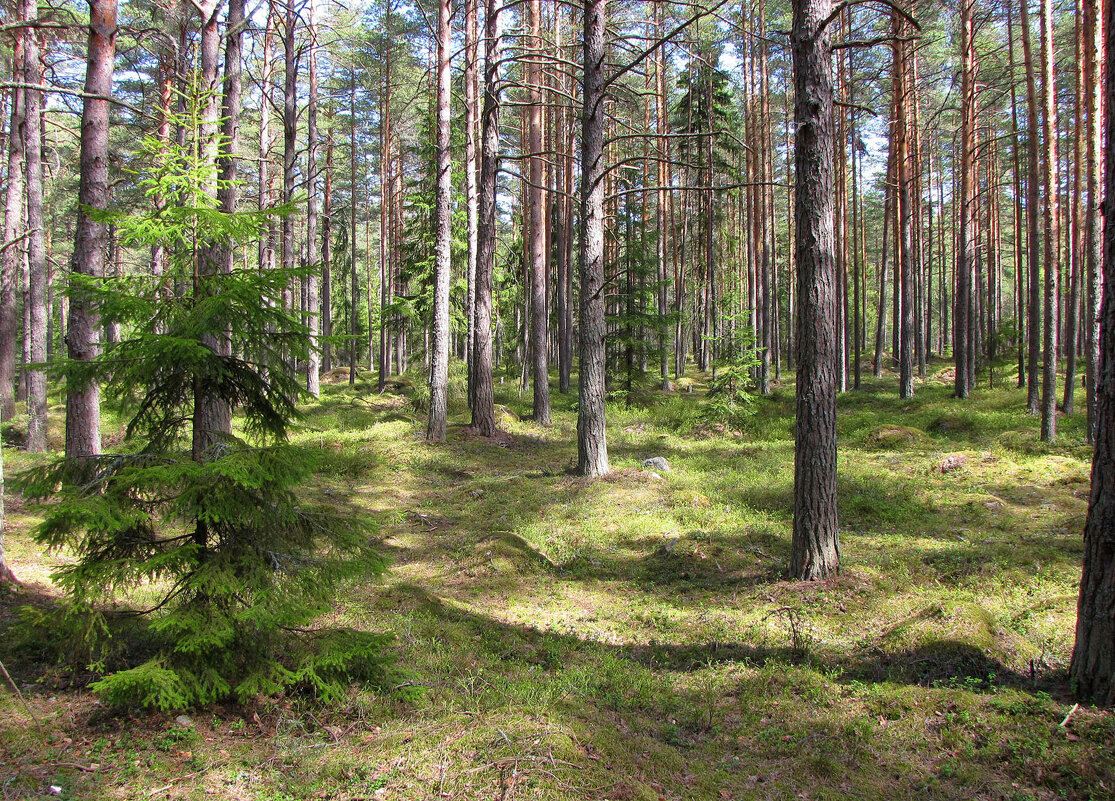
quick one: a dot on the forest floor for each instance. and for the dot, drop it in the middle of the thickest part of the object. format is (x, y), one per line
(635, 637)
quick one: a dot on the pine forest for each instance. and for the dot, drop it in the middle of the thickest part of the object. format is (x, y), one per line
(645, 399)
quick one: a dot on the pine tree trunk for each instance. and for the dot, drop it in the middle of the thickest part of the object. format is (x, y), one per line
(267, 238)
(966, 246)
(592, 446)
(327, 257)
(884, 253)
(11, 257)
(662, 155)
(1093, 225)
(313, 285)
(483, 409)
(386, 211)
(1093, 659)
(815, 547)
(539, 312)
(354, 272)
(1016, 174)
(36, 249)
(212, 418)
(439, 357)
(290, 153)
(83, 406)
(905, 266)
(6, 575)
(1051, 230)
(1074, 227)
(1033, 311)
(471, 166)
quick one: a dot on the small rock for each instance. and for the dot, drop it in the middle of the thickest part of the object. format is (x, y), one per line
(657, 463)
(655, 476)
(184, 721)
(953, 462)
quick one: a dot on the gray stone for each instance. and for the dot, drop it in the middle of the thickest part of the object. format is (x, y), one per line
(669, 546)
(184, 721)
(952, 462)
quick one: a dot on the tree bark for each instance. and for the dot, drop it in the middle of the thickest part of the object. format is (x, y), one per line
(1093, 225)
(313, 285)
(83, 402)
(906, 268)
(1093, 659)
(1051, 229)
(1033, 311)
(212, 419)
(290, 134)
(439, 361)
(471, 165)
(592, 446)
(36, 248)
(815, 547)
(327, 257)
(6, 575)
(11, 258)
(539, 311)
(966, 246)
(483, 408)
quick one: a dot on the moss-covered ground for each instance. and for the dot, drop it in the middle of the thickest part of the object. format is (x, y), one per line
(635, 637)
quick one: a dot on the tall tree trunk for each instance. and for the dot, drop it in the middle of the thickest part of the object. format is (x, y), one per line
(1016, 174)
(439, 360)
(267, 238)
(11, 257)
(884, 253)
(815, 547)
(1093, 225)
(212, 419)
(1072, 321)
(1051, 229)
(539, 311)
(354, 272)
(905, 266)
(966, 247)
(6, 575)
(1033, 311)
(472, 119)
(662, 155)
(592, 446)
(1093, 659)
(483, 409)
(36, 249)
(313, 286)
(290, 134)
(83, 401)
(386, 208)
(327, 257)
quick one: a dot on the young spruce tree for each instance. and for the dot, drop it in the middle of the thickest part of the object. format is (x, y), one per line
(237, 563)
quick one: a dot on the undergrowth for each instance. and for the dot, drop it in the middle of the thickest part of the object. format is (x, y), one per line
(635, 637)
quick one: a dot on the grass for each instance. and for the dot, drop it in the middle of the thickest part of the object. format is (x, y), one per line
(635, 638)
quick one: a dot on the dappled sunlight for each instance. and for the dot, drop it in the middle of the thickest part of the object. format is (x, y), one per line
(636, 637)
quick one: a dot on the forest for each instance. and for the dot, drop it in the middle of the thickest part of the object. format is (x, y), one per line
(658, 399)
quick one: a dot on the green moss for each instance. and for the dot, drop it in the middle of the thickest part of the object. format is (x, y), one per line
(559, 642)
